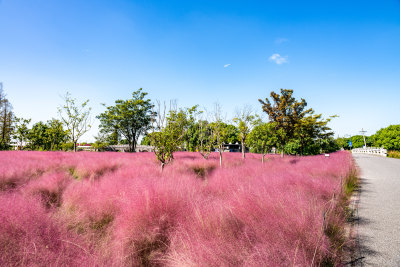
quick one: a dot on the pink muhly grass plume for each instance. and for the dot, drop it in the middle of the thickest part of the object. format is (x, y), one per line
(18, 167)
(151, 209)
(30, 237)
(118, 209)
(49, 188)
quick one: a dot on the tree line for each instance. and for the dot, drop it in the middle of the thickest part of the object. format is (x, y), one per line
(290, 127)
(388, 138)
(55, 134)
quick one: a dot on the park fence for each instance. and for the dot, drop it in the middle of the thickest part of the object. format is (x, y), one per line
(371, 150)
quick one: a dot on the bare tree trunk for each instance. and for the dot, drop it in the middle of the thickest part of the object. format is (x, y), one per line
(74, 146)
(243, 149)
(134, 144)
(162, 166)
(262, 160)
(282, 151)
(220, 157)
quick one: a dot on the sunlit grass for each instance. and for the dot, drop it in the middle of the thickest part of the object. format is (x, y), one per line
(118, 209)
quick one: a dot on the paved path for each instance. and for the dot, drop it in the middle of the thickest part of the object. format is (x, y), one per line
(379, 210)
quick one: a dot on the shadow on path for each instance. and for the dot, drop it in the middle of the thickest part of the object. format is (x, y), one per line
(362, 249)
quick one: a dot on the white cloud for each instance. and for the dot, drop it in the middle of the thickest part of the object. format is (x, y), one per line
(279, 41)
(226, 65)
(278, 59)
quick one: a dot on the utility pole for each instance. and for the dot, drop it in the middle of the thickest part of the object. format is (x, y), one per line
(363, 133)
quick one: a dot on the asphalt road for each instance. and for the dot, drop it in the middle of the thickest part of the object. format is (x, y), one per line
(379, 211)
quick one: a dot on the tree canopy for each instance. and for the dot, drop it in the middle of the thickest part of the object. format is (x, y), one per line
(263, 137)
(286, 112)
(75, 117)
(311, 128)
(356, 140)
(388, 137)
(128, 118)
(243, 120)
(292, 128)
(169, 131)
(21, 131)
(47, 136)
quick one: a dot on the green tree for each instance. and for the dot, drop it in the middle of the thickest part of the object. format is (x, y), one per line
(21, 131)
(113, 137)
(128, 118)
(56, 135)
(47, 136)
(101, 142)
(388, 137)
(193, 137)
(190, 127)
(292, 147)
(343, 142)
(231, 135)
(168, 133)
(328, 145)
(311, 128)
(206, 138)
(146, 140)
(38, 138)
(243, 120)
(286, 112)
(75, 117)
(262, 138)
(358, 141)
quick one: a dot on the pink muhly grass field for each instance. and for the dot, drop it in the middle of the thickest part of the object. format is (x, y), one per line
(103, 209)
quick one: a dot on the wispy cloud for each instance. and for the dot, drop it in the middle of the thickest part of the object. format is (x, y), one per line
(226, 65)
(279, 41)
(278, 59)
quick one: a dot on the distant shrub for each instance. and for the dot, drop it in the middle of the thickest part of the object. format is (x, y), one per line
(394, 154)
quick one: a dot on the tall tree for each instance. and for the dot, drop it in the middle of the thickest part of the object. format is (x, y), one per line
(6, 120)
(243, 120)
(21, 131)
(263, 137)
(75, 117)
(286, 112)
(128, 118)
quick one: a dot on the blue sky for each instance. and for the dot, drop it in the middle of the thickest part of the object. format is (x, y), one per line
(341, 56)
